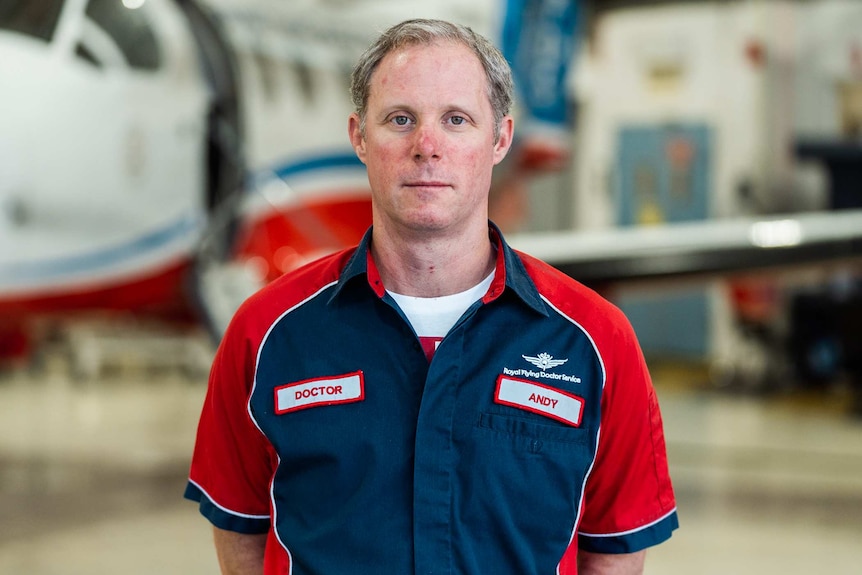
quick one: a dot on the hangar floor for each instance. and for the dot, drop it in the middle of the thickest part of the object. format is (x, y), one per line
(92, 472)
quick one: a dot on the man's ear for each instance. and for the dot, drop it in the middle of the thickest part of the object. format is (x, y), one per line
(504, 142)
(356, 138)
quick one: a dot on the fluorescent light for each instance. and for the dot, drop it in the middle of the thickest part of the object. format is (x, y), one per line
(133, 4)
(776, 234)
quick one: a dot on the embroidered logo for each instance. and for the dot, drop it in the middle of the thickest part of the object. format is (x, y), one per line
(320, 391)
(545, 361)
(537, 398)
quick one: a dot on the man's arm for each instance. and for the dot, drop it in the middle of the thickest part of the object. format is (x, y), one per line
(239, 553)
(610, 564)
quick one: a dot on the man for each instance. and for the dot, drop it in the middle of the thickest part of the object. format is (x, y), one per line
(431, 401)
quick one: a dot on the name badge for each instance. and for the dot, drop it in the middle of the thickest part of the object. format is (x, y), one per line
(320, 391)
(538, 398)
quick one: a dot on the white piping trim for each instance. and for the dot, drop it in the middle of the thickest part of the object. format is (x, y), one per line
(598, 431)
(253, 420)
(630, 531)
(223, 508)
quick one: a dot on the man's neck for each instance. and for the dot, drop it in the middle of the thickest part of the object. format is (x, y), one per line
(432, 267)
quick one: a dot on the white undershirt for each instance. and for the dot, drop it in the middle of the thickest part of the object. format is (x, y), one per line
(434, 316)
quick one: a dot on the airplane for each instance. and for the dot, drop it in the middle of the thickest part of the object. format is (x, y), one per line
(169, 157)
(140, 136)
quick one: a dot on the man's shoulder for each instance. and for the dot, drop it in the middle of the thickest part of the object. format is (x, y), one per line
(572, 298)
(290, 290)
(553, 284)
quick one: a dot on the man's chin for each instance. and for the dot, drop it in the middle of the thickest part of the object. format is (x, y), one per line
(428, 223)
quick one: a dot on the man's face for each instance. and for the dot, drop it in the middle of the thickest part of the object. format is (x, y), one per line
(429, 142)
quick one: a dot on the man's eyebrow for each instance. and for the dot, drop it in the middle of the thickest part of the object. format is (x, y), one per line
(396, 107)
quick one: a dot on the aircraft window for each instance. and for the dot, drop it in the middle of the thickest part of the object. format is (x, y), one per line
(126, 22)
(32, 17)
(97, 47)
(268, 71)
(84, 53)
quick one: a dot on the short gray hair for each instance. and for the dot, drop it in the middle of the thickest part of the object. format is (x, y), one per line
(427, 32)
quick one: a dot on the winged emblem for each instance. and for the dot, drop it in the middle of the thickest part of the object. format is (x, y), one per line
(544, 361)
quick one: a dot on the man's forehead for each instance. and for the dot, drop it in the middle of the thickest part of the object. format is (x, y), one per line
(413, 50)
(401, 58)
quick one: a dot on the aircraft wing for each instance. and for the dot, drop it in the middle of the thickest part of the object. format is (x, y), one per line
(703, 248)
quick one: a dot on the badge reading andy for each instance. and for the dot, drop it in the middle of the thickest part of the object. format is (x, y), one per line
(320, 391)
(541, 399)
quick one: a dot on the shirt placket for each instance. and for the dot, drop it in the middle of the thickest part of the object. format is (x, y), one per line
(435, 458)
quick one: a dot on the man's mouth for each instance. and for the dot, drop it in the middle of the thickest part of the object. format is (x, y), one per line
(426, 184)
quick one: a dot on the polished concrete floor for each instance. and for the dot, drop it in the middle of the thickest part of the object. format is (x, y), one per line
(92, 472)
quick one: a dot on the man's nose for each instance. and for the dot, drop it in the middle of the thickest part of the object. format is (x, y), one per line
(427, 141)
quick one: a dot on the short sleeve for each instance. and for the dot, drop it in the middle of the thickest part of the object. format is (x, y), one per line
(628, 502)
(233, 463)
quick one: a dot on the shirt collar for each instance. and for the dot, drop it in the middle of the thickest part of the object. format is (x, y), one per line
(509, 274)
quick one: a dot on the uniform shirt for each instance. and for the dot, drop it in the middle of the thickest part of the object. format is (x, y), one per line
(534, 430)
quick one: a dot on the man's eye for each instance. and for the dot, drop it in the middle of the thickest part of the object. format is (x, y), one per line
(457, 120)
(400, 120)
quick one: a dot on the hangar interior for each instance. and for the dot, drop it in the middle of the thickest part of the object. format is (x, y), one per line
(675, 114)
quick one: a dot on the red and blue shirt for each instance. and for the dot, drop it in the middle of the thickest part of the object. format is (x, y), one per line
(534, 430)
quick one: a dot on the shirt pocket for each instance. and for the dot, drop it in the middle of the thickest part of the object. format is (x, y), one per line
(532, 435)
